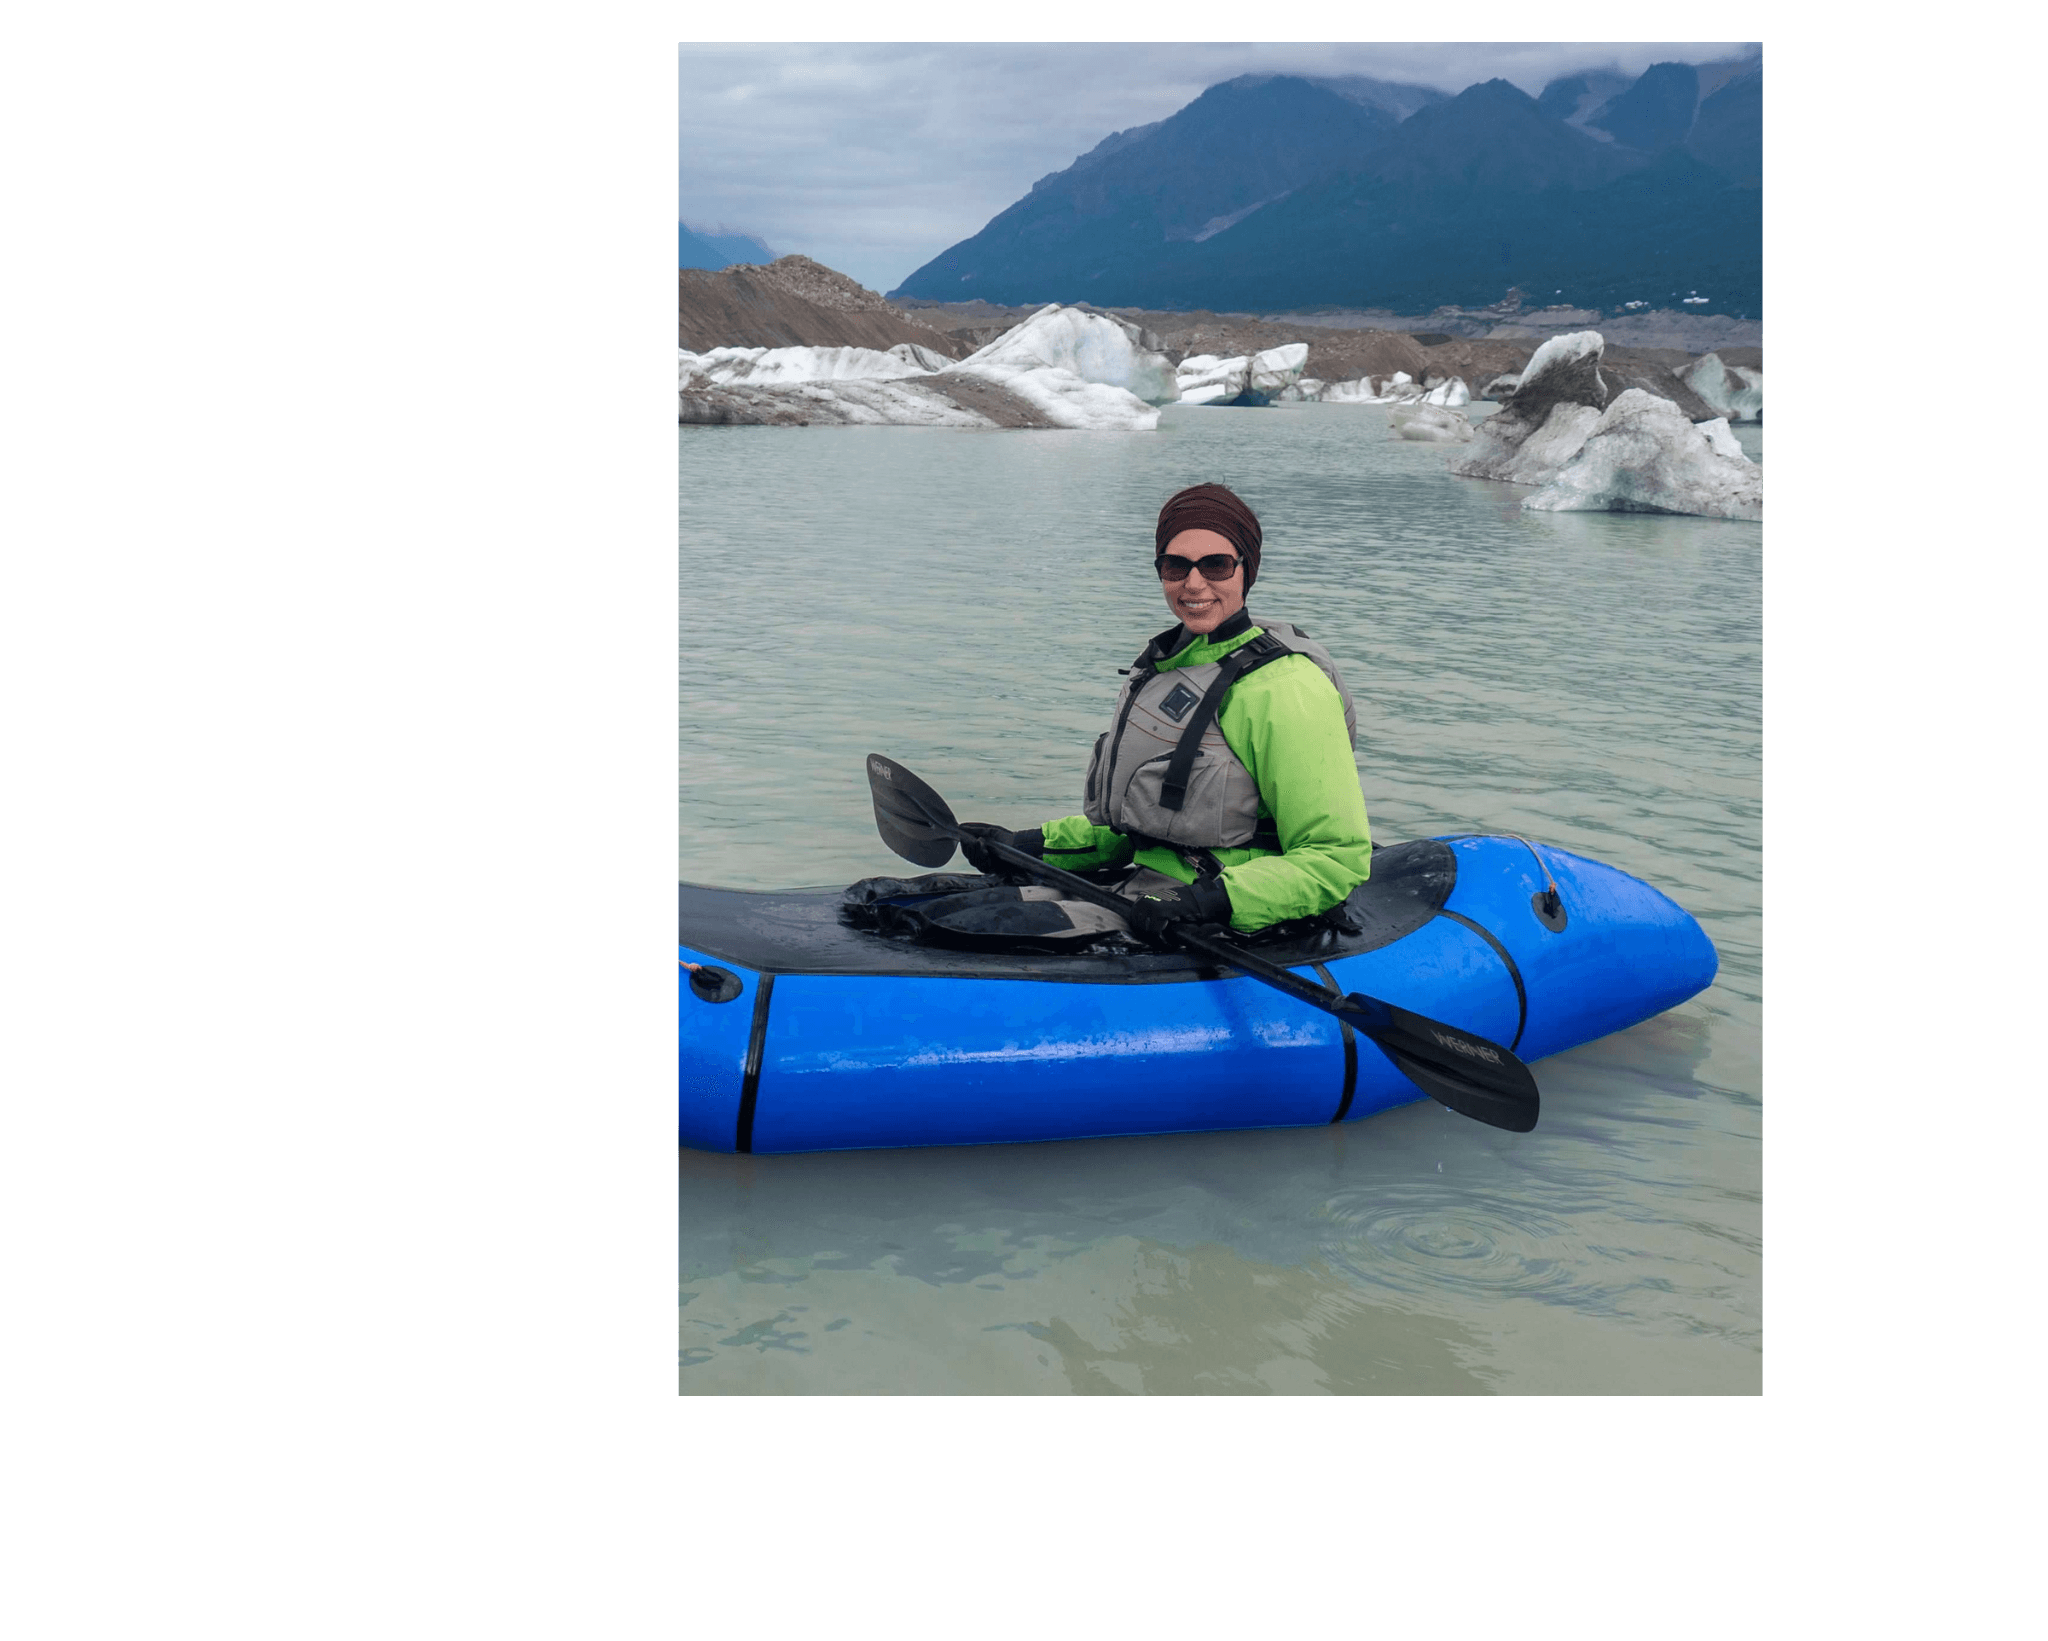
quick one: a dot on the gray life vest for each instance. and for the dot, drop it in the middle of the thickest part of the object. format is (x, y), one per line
(1164, 774)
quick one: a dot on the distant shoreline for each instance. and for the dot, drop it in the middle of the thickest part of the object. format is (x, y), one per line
(1659, 328)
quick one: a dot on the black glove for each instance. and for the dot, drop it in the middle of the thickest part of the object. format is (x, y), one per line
(1031, 842)
(1191, 903)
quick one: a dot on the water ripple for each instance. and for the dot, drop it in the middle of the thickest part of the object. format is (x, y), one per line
(1429, 1241)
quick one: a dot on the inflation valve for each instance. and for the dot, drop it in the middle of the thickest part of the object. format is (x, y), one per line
(712, 984)
(1546, 903)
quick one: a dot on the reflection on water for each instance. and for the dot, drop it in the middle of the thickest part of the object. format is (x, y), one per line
(962, 601)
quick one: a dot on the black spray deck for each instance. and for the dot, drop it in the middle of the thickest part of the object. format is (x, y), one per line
(799, 931)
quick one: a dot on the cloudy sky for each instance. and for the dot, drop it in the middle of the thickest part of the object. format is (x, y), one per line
(875, 158)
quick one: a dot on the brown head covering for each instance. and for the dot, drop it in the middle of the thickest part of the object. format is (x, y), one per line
(1212, 507)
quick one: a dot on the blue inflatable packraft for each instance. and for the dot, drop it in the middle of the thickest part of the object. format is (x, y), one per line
(803, 1033)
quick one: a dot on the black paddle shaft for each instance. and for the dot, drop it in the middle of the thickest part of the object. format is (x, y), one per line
(1473, 1075)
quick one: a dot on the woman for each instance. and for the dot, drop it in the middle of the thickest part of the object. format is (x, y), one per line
(1227, 774)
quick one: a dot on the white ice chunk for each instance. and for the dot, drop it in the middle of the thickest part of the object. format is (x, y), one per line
(1399, 388)
(1643, 456)
(771, 367)
(1083, 370)
(1560, 351)
(1278, 367)
(1429, 424)
(1552, 412)
(915, 353)
(1204, 378)
(1453, 392)
(1539, 457)
(1735, 390)
(1356, 392)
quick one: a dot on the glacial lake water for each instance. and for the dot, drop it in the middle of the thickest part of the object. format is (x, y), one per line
(963, 600)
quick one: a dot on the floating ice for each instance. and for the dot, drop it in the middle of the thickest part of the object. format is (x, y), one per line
(1358, 392)
(1552, 412)
(852, 402)
(1279, 367)
(1204, 378)
(1071, 369)
(1397, 389)
(771, 367)
(1735, 390)
(1643, 456)
(1429, 423)
(1078, 369)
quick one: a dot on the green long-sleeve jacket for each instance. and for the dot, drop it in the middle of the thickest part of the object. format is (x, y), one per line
(1285, 722)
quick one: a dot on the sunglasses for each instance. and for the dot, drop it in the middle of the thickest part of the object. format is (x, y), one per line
(1214, 567)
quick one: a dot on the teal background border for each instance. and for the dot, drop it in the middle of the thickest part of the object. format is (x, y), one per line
(343, 623)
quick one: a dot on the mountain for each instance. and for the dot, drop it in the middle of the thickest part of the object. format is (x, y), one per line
(1493, 138)
(1729, 132)
(1655, 112)
(1234, 150)
(1577, 97)
(1390, 95)
(701, 249)
(1273, 191)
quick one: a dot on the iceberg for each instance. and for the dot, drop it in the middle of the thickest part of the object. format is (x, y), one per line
(1397, 389)
(1362, 392)
(1552, 413)
(1060, 368)
(1736, 391)
(1082, 370)
(1643, 456)
(1278, 368)
(1429, 423)
(1204, 378)
(847, 403)
(768, 367)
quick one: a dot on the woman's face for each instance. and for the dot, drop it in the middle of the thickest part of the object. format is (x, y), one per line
(1202, 605)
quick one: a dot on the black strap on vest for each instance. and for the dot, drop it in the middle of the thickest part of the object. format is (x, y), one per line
(1141, 671)
(1173, 790)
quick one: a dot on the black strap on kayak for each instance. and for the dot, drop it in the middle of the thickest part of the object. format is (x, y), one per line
(1350, 1050)
(1514, 973)
(1173, 790)
(750, 1070)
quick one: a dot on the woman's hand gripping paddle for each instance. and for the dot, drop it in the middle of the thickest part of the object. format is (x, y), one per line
(1475, 1077)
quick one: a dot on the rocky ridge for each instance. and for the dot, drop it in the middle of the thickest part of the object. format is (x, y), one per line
(793, 302)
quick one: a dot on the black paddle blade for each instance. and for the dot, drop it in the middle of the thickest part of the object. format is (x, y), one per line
(1474, 1077)
(913, 819)
(1515, 1113)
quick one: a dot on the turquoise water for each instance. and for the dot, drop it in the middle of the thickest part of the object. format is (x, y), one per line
(962, 600)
